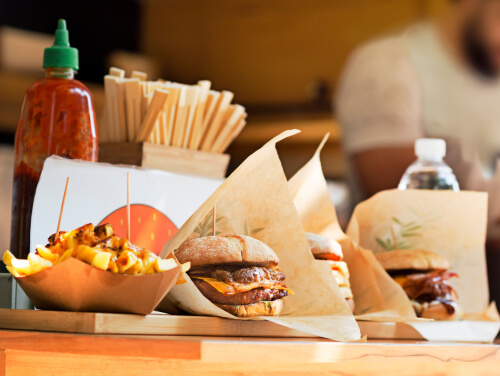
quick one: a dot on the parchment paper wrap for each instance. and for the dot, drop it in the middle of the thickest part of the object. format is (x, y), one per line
(255, 201)
(452, 224)
(376, 295)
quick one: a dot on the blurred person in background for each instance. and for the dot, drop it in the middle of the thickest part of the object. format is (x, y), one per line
(438, 79)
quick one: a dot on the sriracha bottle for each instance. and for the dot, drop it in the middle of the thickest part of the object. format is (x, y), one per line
(57, 118)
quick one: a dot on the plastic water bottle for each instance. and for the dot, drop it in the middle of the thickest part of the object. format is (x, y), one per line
(429, 171)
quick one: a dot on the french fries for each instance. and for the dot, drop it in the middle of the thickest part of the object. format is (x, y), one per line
(98, 247)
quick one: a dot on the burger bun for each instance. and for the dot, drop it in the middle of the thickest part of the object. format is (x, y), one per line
(414, 259)
(438, 312)
(272, 308)
(321, 245)
(223, 250)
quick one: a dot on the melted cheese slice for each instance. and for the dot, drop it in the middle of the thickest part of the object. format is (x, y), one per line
(400, 280)
(236, 288)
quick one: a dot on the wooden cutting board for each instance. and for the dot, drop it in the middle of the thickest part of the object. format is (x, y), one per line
(164, 324)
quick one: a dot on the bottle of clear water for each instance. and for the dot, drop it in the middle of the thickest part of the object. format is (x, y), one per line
(429, 171)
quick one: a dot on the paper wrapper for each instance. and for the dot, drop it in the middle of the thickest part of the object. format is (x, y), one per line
(376, 295)
(255, 201)
(452, 224)
(74, 285)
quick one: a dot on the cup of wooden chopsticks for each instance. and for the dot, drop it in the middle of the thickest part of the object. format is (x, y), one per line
(168, 113)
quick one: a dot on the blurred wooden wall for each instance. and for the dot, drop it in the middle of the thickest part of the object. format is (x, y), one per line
(268, 52)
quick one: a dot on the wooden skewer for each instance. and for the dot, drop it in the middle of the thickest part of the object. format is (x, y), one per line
(128, 206)
(214, 220)
(62, 209)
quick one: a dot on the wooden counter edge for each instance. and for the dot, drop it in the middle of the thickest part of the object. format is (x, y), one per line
(211, 349)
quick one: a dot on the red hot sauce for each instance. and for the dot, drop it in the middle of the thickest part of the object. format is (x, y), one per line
(57, 118)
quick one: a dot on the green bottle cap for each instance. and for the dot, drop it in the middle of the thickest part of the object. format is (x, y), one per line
(61, 55)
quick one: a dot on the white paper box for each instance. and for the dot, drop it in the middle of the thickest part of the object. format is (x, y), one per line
(97, 190)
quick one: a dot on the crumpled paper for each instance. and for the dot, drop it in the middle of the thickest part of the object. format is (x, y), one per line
(376, 295)
(452, 224)
(255, 201)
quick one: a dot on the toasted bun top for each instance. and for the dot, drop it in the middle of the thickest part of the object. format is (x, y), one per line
(323, 245)
(412, 259)
(234, 249)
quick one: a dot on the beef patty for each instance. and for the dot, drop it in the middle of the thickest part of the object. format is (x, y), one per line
(248, 297)
(239, 274)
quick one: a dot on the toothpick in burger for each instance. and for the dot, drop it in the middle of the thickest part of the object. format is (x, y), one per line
(329, 250)
(237, 273)
(425, 278)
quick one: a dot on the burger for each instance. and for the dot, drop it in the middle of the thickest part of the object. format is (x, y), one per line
(425, 278)
(329, 250)
(237, 273)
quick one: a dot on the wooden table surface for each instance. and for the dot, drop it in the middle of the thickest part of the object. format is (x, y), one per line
(38, 353)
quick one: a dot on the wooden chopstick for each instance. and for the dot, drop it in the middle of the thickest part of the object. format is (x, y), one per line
(180, 118)
(212, 100)
(197, 130)
(192, 96)
(171, 107)
(157, 102)
(132, 106)
(235, 113)
(239, 127)
(111, 92)
(216, 120)
(141, 76)
(116, 72)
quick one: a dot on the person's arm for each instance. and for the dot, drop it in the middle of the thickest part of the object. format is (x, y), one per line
(381, 169)
(379, 106)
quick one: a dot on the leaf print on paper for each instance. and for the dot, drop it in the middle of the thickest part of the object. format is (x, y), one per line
(400, 235)
(205, 228)
(249, 231)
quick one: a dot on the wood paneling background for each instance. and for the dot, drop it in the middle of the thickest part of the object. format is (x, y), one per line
(268, 52)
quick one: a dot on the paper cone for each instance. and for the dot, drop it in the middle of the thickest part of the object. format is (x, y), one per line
(452, 224)
(74, 285)
(255, 201)
(375, 292)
